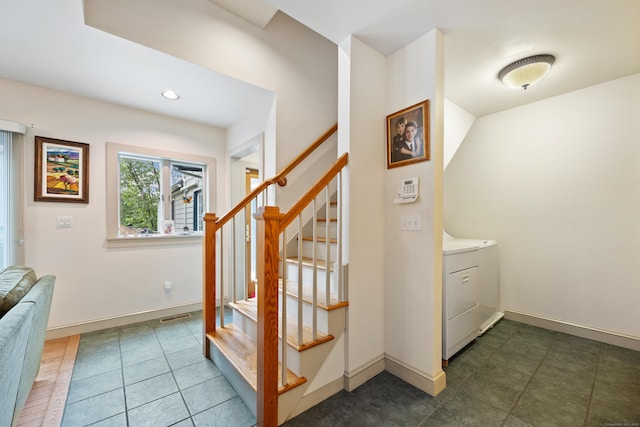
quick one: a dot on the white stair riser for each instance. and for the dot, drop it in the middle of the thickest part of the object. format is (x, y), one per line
(246, 325)
(307, 277)
(307, 250)
(321, 229)
(333, 211)
(305, 363)
(322, 318)
(328, 322)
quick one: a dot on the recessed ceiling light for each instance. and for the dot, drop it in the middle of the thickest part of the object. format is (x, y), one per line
(169, 94)
(527, 71)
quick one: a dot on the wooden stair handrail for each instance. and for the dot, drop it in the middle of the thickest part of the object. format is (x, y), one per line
(297, 208)
(280, 178)
(270, 223)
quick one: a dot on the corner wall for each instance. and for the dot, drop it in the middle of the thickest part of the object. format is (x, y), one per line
(361, 133)
(395, 277)
(413, 259)
(556, 184)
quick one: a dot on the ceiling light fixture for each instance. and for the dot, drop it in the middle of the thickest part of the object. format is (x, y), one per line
(169, 94)
(527, 71)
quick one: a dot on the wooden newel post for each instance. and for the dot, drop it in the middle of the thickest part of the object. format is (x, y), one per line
(268, 233)
(209, 280)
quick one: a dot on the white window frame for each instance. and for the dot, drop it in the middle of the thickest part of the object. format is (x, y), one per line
(113, 192)
(11, 200)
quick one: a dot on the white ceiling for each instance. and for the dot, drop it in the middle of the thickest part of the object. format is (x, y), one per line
(593, 40)
(46, 43)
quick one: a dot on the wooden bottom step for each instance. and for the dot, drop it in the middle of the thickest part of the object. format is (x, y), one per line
(250, 309)
(241, 352)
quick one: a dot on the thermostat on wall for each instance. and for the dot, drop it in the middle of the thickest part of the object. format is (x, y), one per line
(407, 190)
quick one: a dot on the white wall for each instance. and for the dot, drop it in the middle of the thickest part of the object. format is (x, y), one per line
(394, 276)
(413, 259)
(457, 123)
(95, 282)
(361, 133)
(287, 58)
(556, 184)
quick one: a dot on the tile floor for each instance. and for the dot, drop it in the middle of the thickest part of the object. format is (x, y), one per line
(153, 374)
(150, 374)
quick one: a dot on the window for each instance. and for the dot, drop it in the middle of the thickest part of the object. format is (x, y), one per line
(157, 192)
(199, 210)
(11, 236)
(5, 179)
(140, 209)
(186, 185)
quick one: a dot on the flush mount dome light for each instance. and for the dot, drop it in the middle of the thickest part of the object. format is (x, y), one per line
(527, 71)
(169, 94)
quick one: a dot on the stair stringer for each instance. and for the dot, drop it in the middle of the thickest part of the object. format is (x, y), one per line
(323, 367)
(244, 390)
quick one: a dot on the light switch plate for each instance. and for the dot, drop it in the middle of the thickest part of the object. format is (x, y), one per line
(410, 222)
(64, 221)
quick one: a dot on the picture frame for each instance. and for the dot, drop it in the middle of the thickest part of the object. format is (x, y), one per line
(400, 152)
(61, 171)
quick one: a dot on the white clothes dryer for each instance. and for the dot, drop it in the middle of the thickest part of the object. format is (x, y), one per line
(470, 301)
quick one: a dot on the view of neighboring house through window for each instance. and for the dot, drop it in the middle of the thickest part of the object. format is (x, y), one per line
(186, 187)
(159, 196)
(198, 208)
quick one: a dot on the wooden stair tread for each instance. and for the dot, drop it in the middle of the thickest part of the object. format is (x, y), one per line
(308, 262)
(307, 296)
(241, 352)
(325, 219)
(249, 308)
(320, 239)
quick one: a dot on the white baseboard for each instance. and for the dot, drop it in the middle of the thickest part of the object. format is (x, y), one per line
(430, 385)
(364, 373)
(595, 334)
(113, 322)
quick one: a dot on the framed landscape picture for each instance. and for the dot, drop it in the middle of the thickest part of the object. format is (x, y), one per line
(408, 136)
(61, 171)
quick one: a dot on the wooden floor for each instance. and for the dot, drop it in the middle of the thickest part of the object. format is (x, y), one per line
(45, 404)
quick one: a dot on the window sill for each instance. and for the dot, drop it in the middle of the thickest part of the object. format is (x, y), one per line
(155, 240)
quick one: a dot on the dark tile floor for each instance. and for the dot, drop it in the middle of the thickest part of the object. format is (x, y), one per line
(514, 375)
(154, 374)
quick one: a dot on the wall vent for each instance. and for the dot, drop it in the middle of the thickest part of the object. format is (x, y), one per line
(176, 317)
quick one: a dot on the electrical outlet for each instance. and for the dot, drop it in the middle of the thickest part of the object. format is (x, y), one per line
(168, 286)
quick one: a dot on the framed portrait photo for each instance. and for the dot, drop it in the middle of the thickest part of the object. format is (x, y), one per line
(61, 171)
(408, 139)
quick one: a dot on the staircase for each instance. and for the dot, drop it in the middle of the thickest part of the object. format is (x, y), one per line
(275, 350)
